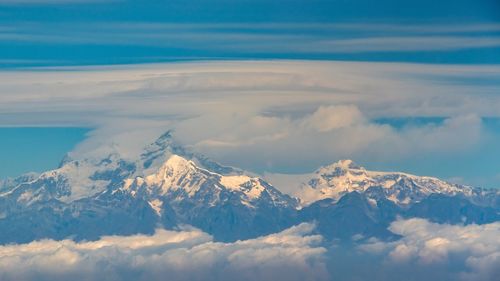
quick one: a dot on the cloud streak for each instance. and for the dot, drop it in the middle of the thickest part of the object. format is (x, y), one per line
(52, 2)
(244, 39)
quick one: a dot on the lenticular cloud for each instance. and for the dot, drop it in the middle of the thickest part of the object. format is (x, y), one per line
(187, 254)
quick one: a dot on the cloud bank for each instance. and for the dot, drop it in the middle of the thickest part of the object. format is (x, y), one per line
(238, 112)
(469, 252)
(189, 254)
(425, 251)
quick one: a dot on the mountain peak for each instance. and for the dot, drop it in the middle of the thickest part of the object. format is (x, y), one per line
(174, 168)
(347, 164)
(157, 153)
(339, 167)
(176, 163)
(342, 177)
(165, 139)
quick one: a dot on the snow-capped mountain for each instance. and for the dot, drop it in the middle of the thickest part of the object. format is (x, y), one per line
(347, 200)
(170, 186)
(343, 177)
(8, 183)
(155, 154)
(72, 181)
(160, 188)
(226, 206)
(183, 178)
(78, 179)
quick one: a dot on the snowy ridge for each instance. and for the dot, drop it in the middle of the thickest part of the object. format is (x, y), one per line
(84, 178)
(170, 186)
(187, 181)
(335, 180)
(157, 153)
(74, 180)
(176, 172)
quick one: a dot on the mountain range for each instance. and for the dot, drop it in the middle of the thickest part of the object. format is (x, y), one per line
(169, 186)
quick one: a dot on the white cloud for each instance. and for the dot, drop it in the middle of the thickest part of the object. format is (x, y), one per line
(336, 132)
(328, 118)
(301, 113)
(475, 248)
(189, 254)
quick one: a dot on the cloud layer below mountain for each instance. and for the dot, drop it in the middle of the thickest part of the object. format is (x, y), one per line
(469, 252)
(188, 254)
(426, 250)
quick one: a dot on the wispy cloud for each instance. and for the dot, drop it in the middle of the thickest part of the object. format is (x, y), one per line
(263, 38)
(406, 43)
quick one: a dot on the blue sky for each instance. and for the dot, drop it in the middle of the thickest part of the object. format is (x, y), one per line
(450, 47)
(75, 32)
(35, 149)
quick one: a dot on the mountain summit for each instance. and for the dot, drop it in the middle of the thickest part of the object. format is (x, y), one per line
(335, 180)
(168, 186)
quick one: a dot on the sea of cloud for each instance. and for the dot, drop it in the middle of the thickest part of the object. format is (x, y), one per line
(188, 254)
(458, 252)
(425, 251)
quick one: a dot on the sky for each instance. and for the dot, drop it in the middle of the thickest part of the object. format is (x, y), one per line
(95, 32)
(395, 85)
(40, 148)
(276, 87)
